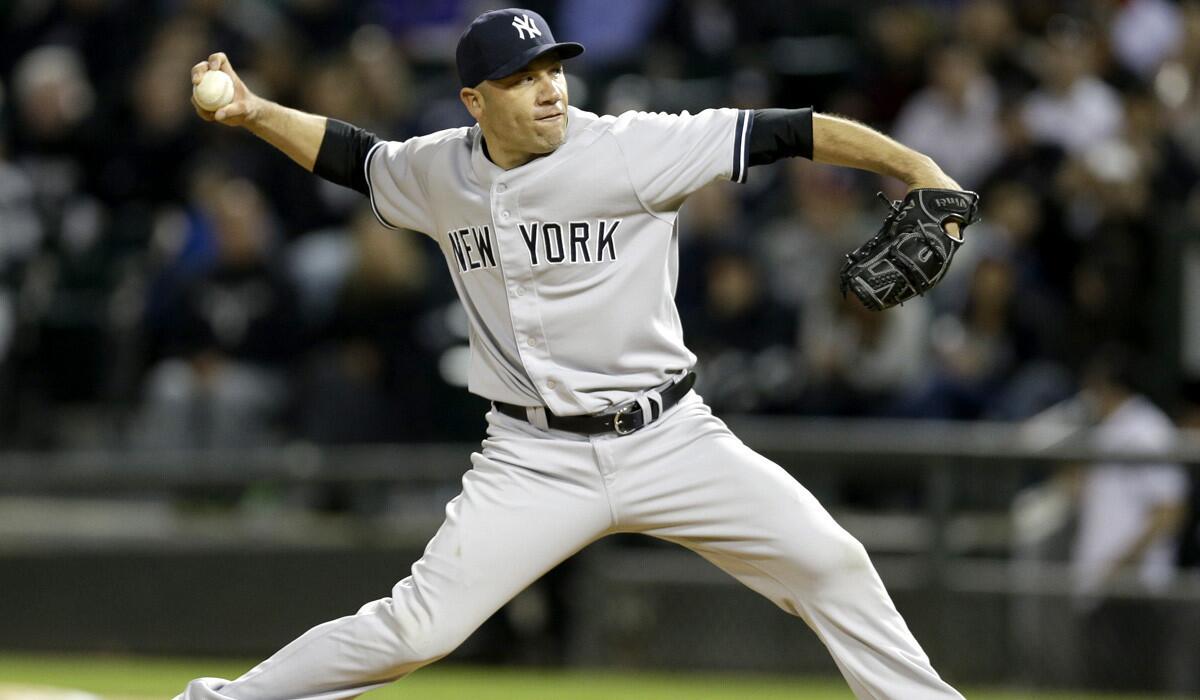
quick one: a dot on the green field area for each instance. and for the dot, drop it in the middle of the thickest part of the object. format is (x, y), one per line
(147, 679)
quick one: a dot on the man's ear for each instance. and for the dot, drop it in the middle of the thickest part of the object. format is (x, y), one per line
(472, 99)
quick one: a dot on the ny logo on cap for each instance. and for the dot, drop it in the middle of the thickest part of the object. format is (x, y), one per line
(524, 24)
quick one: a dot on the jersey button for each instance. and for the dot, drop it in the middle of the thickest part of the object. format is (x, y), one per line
(531, 342)
(519, 291)
(551, 384)
(504, 215)
(501, 187)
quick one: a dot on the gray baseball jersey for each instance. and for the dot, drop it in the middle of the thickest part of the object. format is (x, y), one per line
(567, 265)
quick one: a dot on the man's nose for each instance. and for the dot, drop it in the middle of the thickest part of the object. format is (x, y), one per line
(548, 90)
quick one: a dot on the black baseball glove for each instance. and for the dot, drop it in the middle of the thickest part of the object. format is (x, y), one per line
(912, 251)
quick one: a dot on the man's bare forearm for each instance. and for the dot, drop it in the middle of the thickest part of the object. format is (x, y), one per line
(297, 134)
(839, 141)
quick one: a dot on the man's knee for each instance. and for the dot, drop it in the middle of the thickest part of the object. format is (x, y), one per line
(854, 554)
(840, 554)
(424, 636)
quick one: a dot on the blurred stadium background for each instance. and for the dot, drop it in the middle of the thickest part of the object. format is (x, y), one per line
(232, 405)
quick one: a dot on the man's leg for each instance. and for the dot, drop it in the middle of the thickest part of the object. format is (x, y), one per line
(527, 504)
(687, 479)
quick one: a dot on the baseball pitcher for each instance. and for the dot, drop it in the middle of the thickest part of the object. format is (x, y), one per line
(559, 230)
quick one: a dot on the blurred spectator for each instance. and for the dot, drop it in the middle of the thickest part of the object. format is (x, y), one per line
(54, 141)
(366, 378)
(21, 227)
(990, 28)
(161, 127)
(1071, 107)
(858, 362)
(1105, 193)
(1176, 83)
(386, 76)
(1169, 169)
(955, 119)
(21, 233)
(1026, 159)
(743, 334)
(1009, 223)
(1014, 229)
(713, 223)
(899, 37)
(1129, 517)
(427, 30)
(1129, 513)
(803, 249)
(56, 144)
(228, 331)
(974, 355)
(1143, 33)
(612, 32)
(109, 34)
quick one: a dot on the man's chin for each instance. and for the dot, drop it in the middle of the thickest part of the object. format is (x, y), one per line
(550, 143)
(552, 135)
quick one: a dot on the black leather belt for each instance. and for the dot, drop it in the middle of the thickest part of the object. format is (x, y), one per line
(628, 419)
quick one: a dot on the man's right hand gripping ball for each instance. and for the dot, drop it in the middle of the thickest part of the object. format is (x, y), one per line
(913, 249)
(240, 109)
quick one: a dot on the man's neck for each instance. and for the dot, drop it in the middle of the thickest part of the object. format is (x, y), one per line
(507, 160)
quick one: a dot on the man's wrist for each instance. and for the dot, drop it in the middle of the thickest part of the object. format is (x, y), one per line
(922, 172)
(257, 112)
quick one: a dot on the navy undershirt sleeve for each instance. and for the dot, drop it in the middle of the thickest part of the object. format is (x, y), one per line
(781, 133)
(343, 151)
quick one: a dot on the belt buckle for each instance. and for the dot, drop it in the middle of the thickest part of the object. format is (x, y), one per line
(617, 421)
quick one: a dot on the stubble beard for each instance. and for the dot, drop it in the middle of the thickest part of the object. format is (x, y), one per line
(551, 140)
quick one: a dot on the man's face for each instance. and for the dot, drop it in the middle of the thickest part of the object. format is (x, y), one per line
(524, 113)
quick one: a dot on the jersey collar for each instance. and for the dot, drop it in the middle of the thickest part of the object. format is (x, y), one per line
(488, 172)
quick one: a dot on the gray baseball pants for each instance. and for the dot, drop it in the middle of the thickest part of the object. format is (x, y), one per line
(534, 497)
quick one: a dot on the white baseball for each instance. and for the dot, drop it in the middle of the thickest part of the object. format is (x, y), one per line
(214, 91)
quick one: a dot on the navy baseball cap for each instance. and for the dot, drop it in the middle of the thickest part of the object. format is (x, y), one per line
(502, 42)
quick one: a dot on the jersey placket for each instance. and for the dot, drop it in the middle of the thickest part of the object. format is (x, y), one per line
(521, 286)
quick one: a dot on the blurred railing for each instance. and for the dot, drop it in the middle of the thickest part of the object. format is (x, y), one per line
(901, 443)
(939, 456)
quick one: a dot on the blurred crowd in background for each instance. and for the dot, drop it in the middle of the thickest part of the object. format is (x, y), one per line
(170, 282)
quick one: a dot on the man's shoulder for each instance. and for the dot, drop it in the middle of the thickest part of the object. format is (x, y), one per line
(639, 120)
(583, 121)
(438, 141)
(588, 121)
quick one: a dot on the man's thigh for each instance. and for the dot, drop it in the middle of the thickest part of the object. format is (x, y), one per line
(695, 483)
(527, 503)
